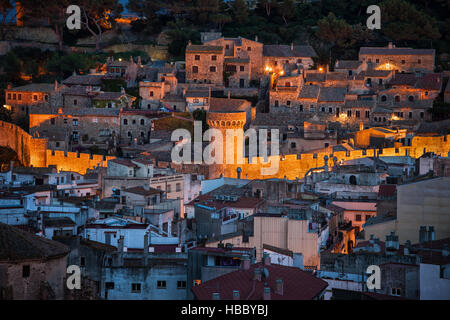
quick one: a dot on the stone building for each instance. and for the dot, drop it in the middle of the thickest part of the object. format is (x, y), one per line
(399, 59)
(80, 125)
(276, 56)
(31, 267)
(19, 100)
(243, 60)
(205, 64)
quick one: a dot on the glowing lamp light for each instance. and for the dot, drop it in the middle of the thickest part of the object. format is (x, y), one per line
(321, 69)
(281, 73)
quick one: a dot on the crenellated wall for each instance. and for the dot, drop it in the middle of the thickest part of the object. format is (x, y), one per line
(33, 151)
(295, 166)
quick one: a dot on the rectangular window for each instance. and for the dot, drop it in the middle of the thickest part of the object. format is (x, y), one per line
(197, 57)
(14, 96)
(161, 284)
(136, 287)
(19, 96)
(75, 122)
(82, 261)
(9, 96)
(26, 271)
(358, 217)
(242, 68)
(178, 187)
(213, 58)
(194, 69)
(357, 113)
(169, 188)
(367, 114)
(181, 284)
(212, 69)
(249, 49)
(349, 113)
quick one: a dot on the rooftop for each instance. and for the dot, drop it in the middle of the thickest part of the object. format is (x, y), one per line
(297, 284)
(18, 245)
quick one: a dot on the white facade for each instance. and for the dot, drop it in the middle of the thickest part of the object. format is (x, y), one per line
(432, 285)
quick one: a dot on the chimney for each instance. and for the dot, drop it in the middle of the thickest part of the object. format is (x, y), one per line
(423, 234)
(229, 94)
(390, 46)
(11, 165)
(120, 244)
(298, 260)
(392, 244)
(266, 259)
(279, 287)
(146, 244)
(216, 296)
(236, 295)
(431, 233)
(406, 250)
(266, 293)
(245, 264)
(256, 38)
(9, 86)
(189, 42)
(55, 88)
(257, 274)
(292, 46)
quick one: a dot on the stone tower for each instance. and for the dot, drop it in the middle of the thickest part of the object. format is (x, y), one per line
(224, 121)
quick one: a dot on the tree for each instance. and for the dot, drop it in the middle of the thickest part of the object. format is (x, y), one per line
(97, 15)
(144, 8)
(54, 11)
(400, 20)
(268, 5)
(333, 31)
(240, 11)
(286, 10)
(7, 10)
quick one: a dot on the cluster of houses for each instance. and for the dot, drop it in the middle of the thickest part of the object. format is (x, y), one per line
(143, 227)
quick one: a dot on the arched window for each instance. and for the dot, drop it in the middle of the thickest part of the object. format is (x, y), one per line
(125, 121)
(397, 98)
(352, 180)
(142, 122)
(383, 98)
(411, 98)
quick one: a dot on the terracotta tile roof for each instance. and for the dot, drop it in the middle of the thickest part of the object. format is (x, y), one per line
(297, 284)
(228, 105)
(315, 77)
(309, 92)
(93, 80)
(276, 50)
(18, 245)
(332, 94)
(35, 87)
(124, 162)
(109, 96)
(430, 81)
(203, 48)
(395, 51)
(142, 191)
(347, 64)
(403, 79)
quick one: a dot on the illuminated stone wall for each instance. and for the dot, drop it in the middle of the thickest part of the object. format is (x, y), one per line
(33, 151)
